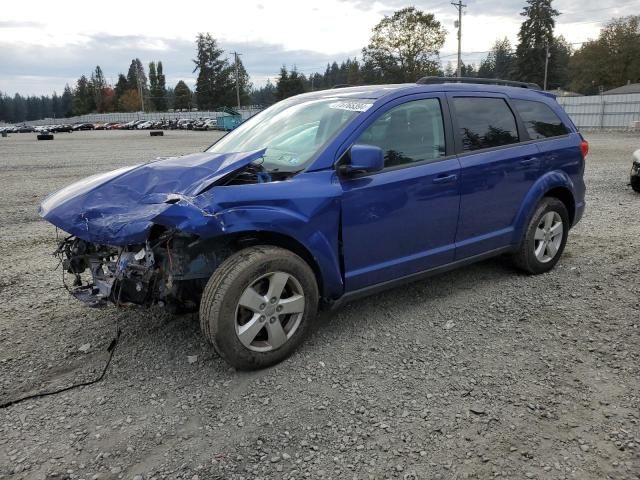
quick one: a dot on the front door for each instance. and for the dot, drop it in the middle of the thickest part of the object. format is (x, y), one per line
(403, 219)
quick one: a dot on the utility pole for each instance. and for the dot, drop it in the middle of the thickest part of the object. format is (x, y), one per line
(237, 78)
(546, 65)
(459, 6)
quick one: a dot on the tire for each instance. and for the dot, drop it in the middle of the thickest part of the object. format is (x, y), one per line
(260, 270)
(635, 183)
(532, 255)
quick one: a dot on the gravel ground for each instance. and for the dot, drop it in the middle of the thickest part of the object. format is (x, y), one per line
(478, 373)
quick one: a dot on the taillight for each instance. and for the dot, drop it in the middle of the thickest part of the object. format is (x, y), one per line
(584, 148)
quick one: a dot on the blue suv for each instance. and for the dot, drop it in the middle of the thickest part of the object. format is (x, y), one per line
(325, 197)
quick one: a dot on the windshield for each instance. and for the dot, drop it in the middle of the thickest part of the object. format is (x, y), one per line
(292, 133)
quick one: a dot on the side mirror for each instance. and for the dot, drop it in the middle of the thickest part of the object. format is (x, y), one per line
(364, 159)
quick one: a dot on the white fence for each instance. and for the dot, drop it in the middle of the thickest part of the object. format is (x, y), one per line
(130, 116)
(612, 112)
(606, 112)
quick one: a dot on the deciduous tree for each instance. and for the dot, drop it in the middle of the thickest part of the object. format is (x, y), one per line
(405, 46)
(611, 60)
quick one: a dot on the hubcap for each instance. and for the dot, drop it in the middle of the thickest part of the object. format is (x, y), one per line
(548, 237)
(269, 311)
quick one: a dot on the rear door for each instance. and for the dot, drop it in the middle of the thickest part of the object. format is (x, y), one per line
(496, 170)
(559, 147)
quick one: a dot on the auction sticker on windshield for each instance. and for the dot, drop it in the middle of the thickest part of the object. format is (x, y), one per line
(351, 106)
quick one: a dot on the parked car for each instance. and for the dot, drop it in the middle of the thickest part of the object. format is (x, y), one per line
(185, 124)
(83, 126)
(206, 124)
(26, 129)
(326, 197)
(635, 172)
(62, 128)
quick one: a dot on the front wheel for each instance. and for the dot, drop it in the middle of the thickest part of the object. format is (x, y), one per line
(545, 237)
(257, 305)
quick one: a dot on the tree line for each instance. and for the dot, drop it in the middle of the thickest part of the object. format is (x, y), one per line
(140, 89)
(406, 46)
(403, 47)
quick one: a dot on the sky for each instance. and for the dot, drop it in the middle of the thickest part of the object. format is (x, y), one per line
(44, 45)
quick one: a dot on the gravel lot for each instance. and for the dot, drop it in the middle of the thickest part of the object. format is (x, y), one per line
(478, 373)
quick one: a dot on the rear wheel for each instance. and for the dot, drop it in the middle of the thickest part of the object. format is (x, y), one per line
(257, 306)
(545, 237)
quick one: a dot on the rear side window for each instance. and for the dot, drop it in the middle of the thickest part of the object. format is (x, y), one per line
(409, 133)
(540, 120)
(485, 122)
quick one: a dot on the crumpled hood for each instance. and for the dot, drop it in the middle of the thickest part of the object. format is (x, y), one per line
(118, 207)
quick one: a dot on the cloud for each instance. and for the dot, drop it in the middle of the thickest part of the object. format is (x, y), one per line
(36, 58)
(19, 24)
(572, 11)
(32, 69)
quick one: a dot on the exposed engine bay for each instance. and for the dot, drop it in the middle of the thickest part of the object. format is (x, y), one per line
(170, 272)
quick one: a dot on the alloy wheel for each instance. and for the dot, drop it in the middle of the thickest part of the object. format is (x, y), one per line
(548, 237)
(269, 311)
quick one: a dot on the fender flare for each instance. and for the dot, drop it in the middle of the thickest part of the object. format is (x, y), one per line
(546, 183)
(318, 242)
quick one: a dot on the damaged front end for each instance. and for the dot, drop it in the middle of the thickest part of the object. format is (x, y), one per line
(170, 272)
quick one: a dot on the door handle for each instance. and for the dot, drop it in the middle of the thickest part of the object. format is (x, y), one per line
(528, 161)
(446, 178)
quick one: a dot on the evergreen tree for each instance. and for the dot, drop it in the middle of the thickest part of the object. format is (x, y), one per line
(214, 74)
(160, 99)
(83, 101)
(55, 105)
(182, 96)
(353, 72)
(281, 84)
(264, 96)
(289, 84)
(19, 108)
(66, 102)
(98, 85)
(449, 71)
(121, 87)
(153, 85)
(157, 87)
(468, 70)
(499, 62)
(6, 108)
(137, 79)
(244, 86)
(559, 57)
(536, 32)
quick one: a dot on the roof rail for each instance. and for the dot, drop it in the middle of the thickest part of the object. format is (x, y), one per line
(482, 81)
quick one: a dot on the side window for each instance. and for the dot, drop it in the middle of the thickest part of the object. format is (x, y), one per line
(540, 120)
(485, 122)
(409, 133)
